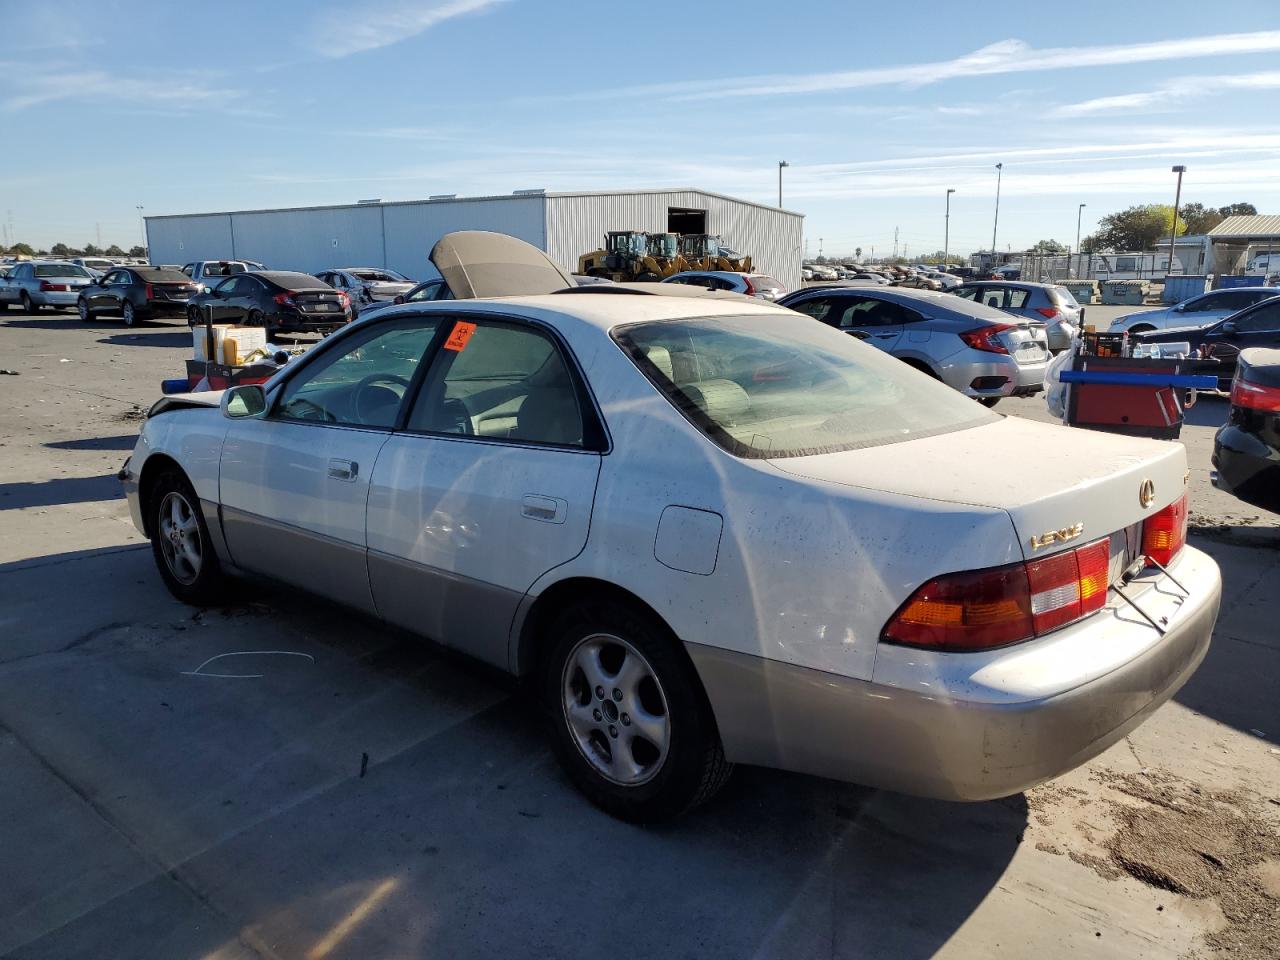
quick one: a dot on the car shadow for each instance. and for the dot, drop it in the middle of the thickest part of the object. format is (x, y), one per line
(380, 774)
(52, 321)
(124, 441)
(1209, 410)
(49, 493)
(175, 338)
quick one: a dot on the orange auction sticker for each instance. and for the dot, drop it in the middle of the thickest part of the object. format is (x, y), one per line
(459, 336)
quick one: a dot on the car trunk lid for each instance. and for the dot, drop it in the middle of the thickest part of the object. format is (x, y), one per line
(477, 263)
(317, 300)
(1048, 478)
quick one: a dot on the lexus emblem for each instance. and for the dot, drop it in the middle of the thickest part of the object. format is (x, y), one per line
(1146, 493)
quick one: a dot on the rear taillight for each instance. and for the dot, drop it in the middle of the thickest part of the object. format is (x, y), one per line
(284, 299)
(1049, 313)
(47, 287)
(149, 293)
(1165, 533)
(751, 290)
(1254, 396)
(982, 609)
(346, 300)
(987, 338)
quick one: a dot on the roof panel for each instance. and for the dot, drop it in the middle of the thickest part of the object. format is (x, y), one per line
(1262, 225)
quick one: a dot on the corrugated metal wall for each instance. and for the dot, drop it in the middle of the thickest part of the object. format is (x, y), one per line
(183, 239)
(774, 238)
(414, 228)
(400, 235)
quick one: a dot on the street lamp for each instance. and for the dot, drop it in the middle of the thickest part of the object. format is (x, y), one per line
(1079, 213)
(142, 226)
(781, 164)
(996, 224)
(946, 230)
(1177, 200)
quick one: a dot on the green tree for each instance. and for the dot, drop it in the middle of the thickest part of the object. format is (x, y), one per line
(115, 251)
(1238, 210)
(22, 249)
(1048, 248)
(1134, 229)
(60, 250)
(92, 250)
(857, 253)
(136, 251)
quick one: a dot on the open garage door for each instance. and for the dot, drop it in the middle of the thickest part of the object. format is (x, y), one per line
(686, 220)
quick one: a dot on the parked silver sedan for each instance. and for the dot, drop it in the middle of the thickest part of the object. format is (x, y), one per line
(748, 284)
(980, 351)
(1046, 303)
(703, 531)
(43, 283)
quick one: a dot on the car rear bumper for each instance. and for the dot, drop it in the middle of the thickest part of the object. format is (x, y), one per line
(310, 321)
(1246, 467)
(970, 742)
(976, 373)
(54, 298)
(167, 308)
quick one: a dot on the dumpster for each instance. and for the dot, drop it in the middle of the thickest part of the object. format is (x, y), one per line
(1085, 291)
(1132, 292)
(1177, 289)
(1227, 282)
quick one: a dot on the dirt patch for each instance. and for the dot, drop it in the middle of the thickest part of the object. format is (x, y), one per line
(1202, 844)
(1045, 799)
(132, 415)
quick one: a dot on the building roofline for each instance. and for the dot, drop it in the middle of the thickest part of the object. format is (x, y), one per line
(493, 197)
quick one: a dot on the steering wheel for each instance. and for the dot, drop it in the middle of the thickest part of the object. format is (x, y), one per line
(360, 395)
(301, 408)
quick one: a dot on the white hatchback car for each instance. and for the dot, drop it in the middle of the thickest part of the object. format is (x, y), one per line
(705, 531)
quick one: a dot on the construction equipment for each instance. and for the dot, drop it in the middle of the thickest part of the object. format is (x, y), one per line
(634, 255)
(703, 251)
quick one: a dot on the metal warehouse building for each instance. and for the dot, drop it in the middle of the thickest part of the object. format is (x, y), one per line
(400, 235)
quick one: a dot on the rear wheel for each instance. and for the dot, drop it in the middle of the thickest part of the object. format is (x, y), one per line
(27, 305)
(628, 718)
(180, 542)
(255, 319)
(127, 313)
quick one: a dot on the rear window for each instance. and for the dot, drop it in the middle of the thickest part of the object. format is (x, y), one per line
(1062, 297)
(60, 270)
(158, 275)
(762, 280)
(379, 276)
(295, 281)
(760, 389)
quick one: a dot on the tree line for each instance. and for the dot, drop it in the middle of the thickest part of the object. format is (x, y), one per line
(63, 250)
(1139, 228)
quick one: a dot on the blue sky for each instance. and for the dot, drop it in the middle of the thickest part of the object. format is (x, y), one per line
(183, 107)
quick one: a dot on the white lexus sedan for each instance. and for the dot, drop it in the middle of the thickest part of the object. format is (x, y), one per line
(706, 532)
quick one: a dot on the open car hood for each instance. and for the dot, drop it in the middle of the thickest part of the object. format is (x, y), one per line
(479, 264)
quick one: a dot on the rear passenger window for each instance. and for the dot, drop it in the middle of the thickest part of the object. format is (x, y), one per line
(500, 381)
(1017, 299)
(993, 298)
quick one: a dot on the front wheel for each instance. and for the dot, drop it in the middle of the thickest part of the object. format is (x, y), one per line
(628, 719)
(82, 307)
(180, 542)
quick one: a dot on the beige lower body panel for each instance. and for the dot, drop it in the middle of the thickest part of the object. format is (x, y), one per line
(780, 715)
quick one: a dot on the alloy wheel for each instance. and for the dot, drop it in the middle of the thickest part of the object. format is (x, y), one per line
(127, 313)
(84, 310)
(179, 533)
(615, 709)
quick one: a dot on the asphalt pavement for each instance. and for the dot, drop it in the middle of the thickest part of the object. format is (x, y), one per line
(329, 788)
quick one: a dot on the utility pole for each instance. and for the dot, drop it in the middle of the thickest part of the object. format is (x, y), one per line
(819, 246)
(1079, 212)
(895, 243)
(1177, 200)
(142, 225)
(946, 229)
(781, 164)
(996, 223)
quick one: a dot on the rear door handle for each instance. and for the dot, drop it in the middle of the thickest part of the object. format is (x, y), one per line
(547, 509)
(346, 470)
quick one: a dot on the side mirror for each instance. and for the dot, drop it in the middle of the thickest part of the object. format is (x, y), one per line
(1228, 329)
(1180, 308)
(399, 298)
(244, 402)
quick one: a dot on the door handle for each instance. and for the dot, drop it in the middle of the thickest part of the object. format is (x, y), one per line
(346, 470)
(546, 509)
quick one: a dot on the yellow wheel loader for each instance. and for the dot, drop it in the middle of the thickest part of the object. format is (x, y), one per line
(626, 255)
(703, 251)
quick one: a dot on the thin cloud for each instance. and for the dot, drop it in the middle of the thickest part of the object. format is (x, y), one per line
(28, 88)
(1004, 57)
(1169, 96)
(381, 23)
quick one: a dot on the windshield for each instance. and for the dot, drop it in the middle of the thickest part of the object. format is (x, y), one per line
(379, 276)
(766, 386)
(60, 270)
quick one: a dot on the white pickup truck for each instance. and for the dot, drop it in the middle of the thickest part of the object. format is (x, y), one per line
(209, 273)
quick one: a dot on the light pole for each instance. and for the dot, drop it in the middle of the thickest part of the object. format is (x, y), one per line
(1079, 213)
(1177, 200)
(142, 226)
(946, 230)
(995, 225)
(781, 164)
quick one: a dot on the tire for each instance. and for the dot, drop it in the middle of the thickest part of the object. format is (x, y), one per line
(82, 307)
(193, 317)
(180, 542)
(27, 305)
(989, 401)
(255, 319)
(650, 779)
(128, 314)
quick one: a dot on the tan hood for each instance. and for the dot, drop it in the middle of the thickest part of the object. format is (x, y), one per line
(478, 264)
